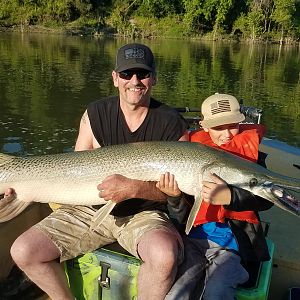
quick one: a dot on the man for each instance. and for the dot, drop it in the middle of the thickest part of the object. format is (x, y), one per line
(140, 226)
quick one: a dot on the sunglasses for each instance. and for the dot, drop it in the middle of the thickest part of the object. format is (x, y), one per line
(140, 74)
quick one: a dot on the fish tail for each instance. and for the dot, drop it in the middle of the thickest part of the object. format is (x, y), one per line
(101, 214)
(10, 207)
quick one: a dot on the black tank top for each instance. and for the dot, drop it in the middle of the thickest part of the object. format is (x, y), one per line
(109, 127)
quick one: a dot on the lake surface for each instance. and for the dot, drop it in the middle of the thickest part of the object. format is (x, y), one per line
(46, 82)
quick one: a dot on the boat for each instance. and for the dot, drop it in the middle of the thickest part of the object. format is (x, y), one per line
(110, 272)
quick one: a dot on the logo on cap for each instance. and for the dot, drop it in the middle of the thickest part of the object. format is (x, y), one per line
(220, 109)
(220, 106)
(134, 53)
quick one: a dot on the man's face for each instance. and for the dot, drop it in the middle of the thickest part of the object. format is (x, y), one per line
(223, 134)
(134, 85)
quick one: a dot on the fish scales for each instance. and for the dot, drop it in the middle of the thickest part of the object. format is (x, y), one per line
(72, 178)
(35, 178)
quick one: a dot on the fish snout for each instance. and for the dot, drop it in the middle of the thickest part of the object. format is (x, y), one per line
(287, 198)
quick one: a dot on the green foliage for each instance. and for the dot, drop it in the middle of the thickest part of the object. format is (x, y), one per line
(203, 16)
(158, 8)
(193, 11)
(254, 19)
(283, 13)
(241, 25)
(171, 27)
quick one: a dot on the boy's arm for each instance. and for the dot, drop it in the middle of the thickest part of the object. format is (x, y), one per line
(242, 200)
(178, 208)
(218, 192)
(176, 201)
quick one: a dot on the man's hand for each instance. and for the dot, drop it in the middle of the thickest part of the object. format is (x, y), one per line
(216, 192)
(117, 188)
(168, 185)
(8, 196)
(9, 193)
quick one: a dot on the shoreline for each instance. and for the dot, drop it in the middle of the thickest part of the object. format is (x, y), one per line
(106, 32)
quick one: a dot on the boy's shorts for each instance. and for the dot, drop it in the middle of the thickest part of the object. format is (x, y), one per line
(69, 229)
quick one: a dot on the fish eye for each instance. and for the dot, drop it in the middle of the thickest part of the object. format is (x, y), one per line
(253, 182)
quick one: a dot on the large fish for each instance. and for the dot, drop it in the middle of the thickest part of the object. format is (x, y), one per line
(71, 178)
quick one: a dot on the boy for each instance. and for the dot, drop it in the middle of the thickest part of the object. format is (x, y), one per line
(227, 231)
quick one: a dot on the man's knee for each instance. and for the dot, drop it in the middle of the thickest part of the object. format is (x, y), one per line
(32, 246)
(166, 257)
(159, 249)
(20, 251)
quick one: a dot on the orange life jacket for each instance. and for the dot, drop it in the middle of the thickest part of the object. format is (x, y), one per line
(244, 144)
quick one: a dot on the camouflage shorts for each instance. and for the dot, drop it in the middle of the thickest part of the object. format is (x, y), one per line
(69, 228)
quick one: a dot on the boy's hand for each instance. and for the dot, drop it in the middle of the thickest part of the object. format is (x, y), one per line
(168, 185)
(216, 192)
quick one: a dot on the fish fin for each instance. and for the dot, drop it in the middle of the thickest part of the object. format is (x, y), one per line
(5, 159)
(193, 213)
(101, 214)
(11, 207)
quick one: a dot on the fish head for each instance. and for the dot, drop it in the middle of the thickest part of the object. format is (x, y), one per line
(281, 190)
(283, 196)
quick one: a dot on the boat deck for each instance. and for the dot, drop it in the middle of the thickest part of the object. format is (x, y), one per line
(284, 229)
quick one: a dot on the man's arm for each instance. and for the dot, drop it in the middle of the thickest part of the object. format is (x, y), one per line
(116, 187)
(119, 188)
(85, 139)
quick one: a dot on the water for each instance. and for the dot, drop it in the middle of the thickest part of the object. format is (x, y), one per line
(46, 82)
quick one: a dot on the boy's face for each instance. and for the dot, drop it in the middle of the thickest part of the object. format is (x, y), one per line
(223, 134)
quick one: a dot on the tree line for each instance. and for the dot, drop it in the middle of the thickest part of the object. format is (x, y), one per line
(275, 20)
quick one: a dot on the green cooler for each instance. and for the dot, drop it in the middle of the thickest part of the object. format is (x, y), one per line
(110, 274)
(105, 274)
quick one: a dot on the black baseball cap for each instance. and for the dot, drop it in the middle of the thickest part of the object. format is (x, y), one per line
(134, 55)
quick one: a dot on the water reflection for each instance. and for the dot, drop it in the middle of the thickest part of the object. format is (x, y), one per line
(23, 139)
(47, 81)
